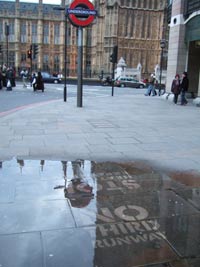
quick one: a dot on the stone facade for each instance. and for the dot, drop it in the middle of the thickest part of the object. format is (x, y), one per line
(37, 23)
(135, 26)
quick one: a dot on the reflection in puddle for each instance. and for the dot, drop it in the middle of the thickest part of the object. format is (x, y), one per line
(113, 214)
(77, 190)
(76, 182)
(79, 193)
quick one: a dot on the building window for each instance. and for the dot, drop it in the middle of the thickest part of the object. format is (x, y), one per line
(46, 33)
(56, 34)
(46, 63)
(89, 38)
(56, 64)
(150, 4)
(143, 27)
(126, 24)
(23, 32)
(23, 57)
(68, 36)
(148, 34)
(11, 31)
(34, 33)
(133, 3)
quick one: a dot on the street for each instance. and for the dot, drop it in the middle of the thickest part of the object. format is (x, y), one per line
(20, 96)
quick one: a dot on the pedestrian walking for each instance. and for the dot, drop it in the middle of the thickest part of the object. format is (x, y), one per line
(184, 88)
(151, 86)
(33, 82)
(0, 79)
(9, 76)
(24, 75)
(175, 88)
(13, 83)
(39, 82)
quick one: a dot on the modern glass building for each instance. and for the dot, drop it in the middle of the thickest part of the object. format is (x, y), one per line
(184, 42)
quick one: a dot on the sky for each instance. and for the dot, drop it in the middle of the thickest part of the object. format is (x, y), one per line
(53, 2)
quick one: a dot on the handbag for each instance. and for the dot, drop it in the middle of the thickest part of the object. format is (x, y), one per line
(8, 83)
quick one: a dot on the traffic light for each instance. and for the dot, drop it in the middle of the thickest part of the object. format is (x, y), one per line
(7, 29)
(113, 56)
(35, 50)
(0, 49)
(29, 54)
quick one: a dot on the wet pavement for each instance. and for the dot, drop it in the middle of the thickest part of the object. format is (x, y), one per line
(132, 201)
(97, 214)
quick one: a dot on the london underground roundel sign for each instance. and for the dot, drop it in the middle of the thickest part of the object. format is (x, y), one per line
(81, 13)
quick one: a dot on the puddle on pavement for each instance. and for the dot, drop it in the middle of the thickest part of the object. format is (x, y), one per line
(106, 214)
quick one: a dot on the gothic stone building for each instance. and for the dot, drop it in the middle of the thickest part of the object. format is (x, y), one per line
(136, 26)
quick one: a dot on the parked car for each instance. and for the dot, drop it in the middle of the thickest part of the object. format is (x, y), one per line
(48, 78)
(129, 82)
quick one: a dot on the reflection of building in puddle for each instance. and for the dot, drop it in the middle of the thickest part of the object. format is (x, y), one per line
(21, 164)
(78, 180)
(42, 162)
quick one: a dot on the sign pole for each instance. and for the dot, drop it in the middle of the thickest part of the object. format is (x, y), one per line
(81, 13)
(7, 34)
(65, 63)
(113, 77)
(80, 65)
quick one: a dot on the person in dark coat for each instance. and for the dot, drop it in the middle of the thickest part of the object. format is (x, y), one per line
(9, 77)
(13, 83)
(184, 88)
(39, 82)
(175, 88)
(0, 79)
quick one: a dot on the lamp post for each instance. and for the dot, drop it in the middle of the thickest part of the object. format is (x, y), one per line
(65, 54)
(162, 46)
(7, 34)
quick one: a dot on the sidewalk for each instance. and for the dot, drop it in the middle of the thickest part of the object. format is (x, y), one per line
(119, 128)
(112, 184)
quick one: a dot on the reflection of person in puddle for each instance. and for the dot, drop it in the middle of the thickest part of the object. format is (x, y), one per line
(79, 193)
